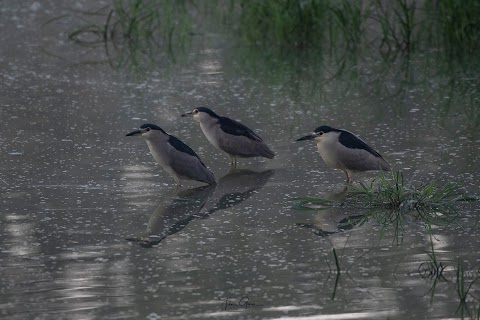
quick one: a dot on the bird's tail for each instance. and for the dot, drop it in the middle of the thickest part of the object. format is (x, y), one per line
(384, 165)
(265, 151)
(210, 178)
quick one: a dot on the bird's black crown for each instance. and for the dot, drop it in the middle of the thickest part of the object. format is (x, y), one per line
(325, 129)
(207, 110)
(151, 126)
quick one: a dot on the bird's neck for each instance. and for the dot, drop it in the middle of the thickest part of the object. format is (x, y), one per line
(155, 145)
(208, 122)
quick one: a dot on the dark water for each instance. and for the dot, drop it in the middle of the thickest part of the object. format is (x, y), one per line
(73, 187)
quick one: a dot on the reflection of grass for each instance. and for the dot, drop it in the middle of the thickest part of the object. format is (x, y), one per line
(457, 23)
(337, 272)
(465, 283)
(284, 23)
(401, 23)
(396, 20)
(135, 33)
(337, 264)
(308, 23)
(433, 270)
(349, 18)
(464, 289)
(343, 34)
(395, 202)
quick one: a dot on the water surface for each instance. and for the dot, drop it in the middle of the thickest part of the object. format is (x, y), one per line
(74, 188)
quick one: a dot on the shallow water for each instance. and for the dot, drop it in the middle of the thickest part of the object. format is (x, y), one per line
(74, 188)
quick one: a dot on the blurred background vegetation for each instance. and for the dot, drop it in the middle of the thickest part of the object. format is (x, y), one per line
(390, 48)
(387, 27)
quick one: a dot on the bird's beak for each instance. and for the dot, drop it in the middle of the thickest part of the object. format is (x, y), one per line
(308, 137)
(186, 114)
(134, 133)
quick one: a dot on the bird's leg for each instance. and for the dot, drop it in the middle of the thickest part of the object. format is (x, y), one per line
(178, 184)
(233, 161)
(349, 176)
(231, 170)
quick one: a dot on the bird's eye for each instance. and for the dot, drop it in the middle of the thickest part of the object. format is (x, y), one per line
(320, 133)
(195, 111)
(148, 129)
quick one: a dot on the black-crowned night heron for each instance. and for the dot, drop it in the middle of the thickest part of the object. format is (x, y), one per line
(230, 136)
(343, 150)
(173, 155)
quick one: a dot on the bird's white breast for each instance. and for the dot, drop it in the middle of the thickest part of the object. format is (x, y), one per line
(210, 128)
(328, 148)
(160, 152)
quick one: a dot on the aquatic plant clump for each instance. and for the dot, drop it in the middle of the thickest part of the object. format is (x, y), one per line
(396, 193)
(393, 202)
(392, 194)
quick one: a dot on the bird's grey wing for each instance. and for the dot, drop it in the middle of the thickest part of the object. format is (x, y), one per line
(234, 144)
(190, 166)
(186, 163)
(235, 128)
(360, 160)
(243, 146)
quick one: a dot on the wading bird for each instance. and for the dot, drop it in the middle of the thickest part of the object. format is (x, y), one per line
(230, 136)
(343, 150)
(173, 155)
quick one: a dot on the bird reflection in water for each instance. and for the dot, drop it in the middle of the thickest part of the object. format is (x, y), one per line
(177, 211)
(335, 219)
(173, 214)
(235, 187)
